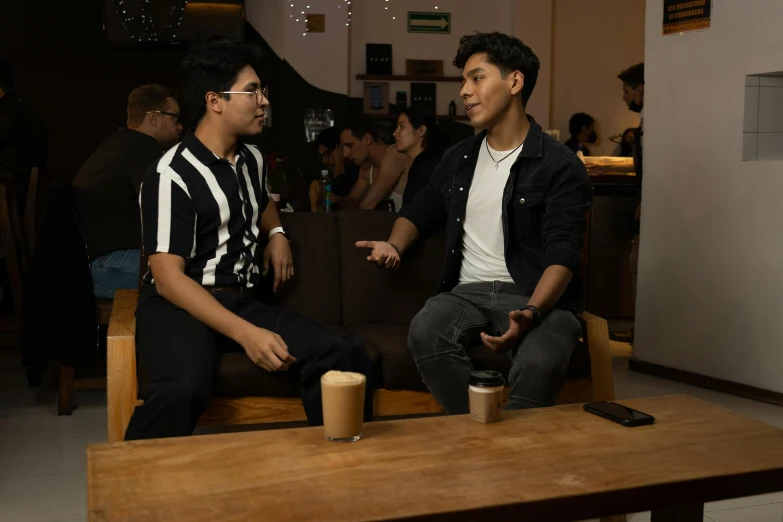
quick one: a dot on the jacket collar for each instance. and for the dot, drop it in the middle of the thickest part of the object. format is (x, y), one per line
(532, 149)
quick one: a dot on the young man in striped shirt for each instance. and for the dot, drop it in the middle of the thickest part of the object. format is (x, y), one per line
(204, 206)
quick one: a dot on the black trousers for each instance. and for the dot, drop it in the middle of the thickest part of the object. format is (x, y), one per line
(178, 358)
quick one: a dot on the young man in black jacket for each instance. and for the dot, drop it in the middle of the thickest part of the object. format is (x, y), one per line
(513, 201)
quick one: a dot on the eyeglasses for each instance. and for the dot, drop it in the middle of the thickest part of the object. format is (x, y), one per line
(174, 115)
(261, 94)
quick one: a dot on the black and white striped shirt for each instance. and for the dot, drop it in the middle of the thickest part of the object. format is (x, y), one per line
(206, 210)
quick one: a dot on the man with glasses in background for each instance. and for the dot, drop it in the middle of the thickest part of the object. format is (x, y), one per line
(106, 188)
(204, 210)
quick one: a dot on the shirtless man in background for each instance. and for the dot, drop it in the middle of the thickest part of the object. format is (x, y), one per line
(383, 171)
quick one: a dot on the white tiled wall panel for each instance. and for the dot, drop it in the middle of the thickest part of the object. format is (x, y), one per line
(762, 124)
(770, 118)
(750, 142)
(770, 146)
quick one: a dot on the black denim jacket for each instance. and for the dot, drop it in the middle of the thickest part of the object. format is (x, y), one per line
(544, 211)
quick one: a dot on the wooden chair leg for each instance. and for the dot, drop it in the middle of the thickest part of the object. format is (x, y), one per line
(65, 397)
(12, 258)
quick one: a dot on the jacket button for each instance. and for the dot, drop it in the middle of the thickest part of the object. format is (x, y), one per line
(466, 156)
(452, 251)
(522, 201)
(461, 189)
(457, 220)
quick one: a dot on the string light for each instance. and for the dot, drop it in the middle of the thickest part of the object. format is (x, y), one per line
(141, 26)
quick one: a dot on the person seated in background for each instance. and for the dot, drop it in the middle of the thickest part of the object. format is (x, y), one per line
(581, 127)
(204, 207)
(513, 201)
(328, 142)
(382, 170)
(106, 188)
(22, 137)
(624, 149)
(344, 173)
(416, 136)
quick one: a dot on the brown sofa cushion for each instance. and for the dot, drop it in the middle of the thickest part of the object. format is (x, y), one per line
(315, 289)
(238, 376)
(397, 366)
(372, 295)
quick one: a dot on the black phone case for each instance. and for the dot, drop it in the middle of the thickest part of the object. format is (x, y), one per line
(628, 423)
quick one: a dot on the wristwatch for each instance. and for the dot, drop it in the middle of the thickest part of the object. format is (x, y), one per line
(279, 230)
(536, 314)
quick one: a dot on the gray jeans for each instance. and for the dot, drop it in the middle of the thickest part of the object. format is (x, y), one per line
(452, 322)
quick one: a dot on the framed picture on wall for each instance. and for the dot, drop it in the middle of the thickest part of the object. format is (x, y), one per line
(423, 95)
(379, 59)
(376, 97)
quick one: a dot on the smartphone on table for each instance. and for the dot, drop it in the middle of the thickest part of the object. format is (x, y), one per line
(620, 414)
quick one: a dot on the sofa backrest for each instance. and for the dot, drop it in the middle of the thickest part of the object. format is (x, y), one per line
(315, 289)
(373, 295)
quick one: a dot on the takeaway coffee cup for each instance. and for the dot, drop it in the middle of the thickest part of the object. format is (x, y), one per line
(486, 394)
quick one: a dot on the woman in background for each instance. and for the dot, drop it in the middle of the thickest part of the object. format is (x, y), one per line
(625, 148)
(417, 136)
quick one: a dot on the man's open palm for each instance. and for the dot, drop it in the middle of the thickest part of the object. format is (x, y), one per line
(383, 254)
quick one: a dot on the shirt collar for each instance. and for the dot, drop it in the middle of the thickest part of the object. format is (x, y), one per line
(206, 156)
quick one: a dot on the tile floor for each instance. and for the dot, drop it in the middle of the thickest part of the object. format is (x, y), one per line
(42, 456)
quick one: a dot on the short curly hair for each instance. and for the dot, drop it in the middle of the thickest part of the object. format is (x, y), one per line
(505, 52)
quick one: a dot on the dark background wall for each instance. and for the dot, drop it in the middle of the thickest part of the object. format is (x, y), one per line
(79, 82)
(64, 66)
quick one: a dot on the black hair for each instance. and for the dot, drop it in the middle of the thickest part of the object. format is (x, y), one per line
(6, 76)
(213, 66)
(418, 116)
(577, 121)
(329, 138)
(505, 52)
(361, 125)
(626, 149)
(633, 76)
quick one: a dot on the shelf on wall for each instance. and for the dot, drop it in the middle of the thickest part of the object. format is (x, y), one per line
(394, 117)
(393, 78)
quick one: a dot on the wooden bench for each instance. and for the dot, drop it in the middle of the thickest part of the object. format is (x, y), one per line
(122, 384)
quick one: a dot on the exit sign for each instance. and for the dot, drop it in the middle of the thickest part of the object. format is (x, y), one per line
(438, 23)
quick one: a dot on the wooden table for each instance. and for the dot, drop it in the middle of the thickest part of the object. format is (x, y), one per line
(547, 464)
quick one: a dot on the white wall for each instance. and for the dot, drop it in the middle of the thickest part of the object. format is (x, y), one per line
(710, 296)
(371, 23)
(266, 16)
(320, 58)
(533, 25)
(593, 42)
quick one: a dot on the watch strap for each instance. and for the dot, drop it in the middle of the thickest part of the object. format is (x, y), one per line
(536, 314)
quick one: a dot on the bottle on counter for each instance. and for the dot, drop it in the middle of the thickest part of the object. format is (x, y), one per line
(452, 108)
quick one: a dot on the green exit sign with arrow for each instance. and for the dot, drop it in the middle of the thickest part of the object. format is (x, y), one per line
(439, 23)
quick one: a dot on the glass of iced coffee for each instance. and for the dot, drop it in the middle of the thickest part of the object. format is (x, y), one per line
(343, 405)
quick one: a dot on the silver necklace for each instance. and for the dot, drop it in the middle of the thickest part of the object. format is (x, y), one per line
(497, 163)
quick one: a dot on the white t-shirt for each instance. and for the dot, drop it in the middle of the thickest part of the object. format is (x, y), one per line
(483, 256)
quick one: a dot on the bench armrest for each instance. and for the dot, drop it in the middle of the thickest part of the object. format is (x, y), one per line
(595, 332)
(121, 380)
